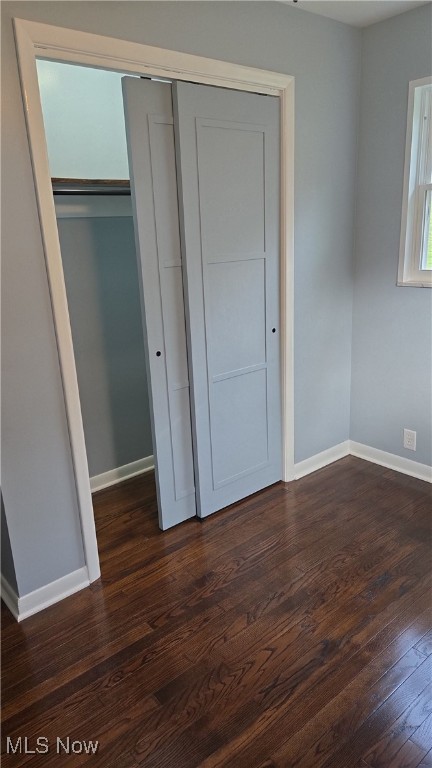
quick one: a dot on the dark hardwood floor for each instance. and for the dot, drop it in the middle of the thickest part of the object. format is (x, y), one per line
(293, 629)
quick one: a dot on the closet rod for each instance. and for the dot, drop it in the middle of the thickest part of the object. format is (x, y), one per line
(91, 186)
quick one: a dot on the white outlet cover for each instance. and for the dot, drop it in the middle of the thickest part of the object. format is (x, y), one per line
(409, 439)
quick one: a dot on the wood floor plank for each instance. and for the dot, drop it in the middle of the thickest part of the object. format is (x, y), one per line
(395, 736)
(426, 761)
(423, 735)
(292, 629)
(408, 756)
(157, 658)
(252, 729)
(425, 644)
(373, 728)
(265, 721)
(343, 713)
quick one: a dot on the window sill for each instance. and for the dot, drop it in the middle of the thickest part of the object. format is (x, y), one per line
(414, 283)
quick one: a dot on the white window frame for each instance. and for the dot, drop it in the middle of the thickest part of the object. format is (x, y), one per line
(417, 193)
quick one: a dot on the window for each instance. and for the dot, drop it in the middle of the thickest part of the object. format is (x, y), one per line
(415, 263)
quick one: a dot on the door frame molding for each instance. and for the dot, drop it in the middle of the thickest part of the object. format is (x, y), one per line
(36, 40)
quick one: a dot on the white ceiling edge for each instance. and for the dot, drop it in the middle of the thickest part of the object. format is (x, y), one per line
(357, 13)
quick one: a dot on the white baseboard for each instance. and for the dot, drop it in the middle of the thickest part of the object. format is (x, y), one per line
(320, 460)
(391, 461)
(374, 455)
(113, 476)
(33, 602)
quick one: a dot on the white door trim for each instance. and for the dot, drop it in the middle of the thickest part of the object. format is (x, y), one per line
(45, 41)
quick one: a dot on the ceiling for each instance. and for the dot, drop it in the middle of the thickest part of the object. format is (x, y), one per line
(358, 13)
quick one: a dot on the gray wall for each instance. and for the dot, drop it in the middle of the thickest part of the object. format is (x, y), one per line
(392, 326)
(101, 278)
(324, 56)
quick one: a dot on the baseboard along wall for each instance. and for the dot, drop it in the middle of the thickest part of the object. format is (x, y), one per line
(23, 607)
(301, 469)
(391, 461)
(113, 476)
(366, 452)
(322, 459)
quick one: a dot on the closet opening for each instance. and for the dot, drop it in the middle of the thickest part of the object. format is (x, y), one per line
(174, 301)
(86, 142)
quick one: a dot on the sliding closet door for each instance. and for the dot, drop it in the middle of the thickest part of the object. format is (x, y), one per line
(227, 145)
(150, 137)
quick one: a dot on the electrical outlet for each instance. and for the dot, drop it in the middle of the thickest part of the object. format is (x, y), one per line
(409, 439)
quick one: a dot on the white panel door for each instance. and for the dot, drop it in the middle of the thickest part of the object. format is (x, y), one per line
(150, 138)
(227, 145)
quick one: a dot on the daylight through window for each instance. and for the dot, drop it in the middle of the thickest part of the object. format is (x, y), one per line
(415, 264)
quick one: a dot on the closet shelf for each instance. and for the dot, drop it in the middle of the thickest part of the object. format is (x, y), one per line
(90, 186)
